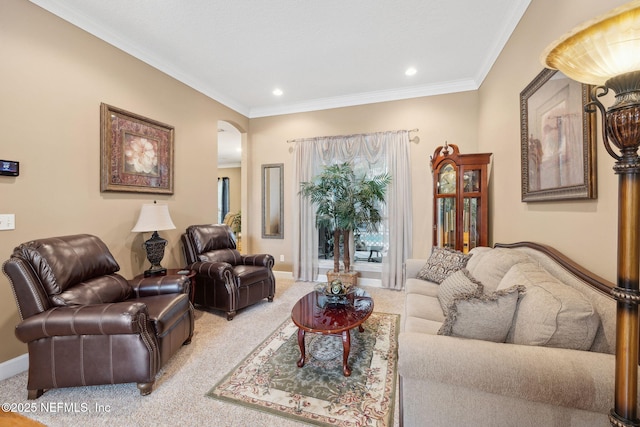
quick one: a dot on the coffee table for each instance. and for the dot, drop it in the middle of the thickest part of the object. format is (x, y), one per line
(316, 313)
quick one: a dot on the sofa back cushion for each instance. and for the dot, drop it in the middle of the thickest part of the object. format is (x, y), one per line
(99, 290)
(210, 237)
(62, 262)
(231, 256)
(549, 313)
(490, 266)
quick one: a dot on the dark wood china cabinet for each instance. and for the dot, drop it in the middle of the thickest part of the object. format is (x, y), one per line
(460, 198)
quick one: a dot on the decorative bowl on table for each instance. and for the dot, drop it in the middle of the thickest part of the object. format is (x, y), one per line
(335, 292)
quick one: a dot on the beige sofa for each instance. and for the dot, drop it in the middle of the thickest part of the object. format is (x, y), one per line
(529, 380)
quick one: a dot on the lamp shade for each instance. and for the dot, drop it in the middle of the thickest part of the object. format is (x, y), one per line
(154, 217)
(605, 47)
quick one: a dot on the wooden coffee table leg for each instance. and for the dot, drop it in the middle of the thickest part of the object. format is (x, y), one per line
(346, 344)
(301, 344)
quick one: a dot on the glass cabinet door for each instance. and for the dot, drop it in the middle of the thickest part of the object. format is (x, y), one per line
(470, 221)
(446, 222)
(471, 180)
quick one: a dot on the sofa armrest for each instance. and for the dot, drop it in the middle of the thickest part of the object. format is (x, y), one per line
(570, 378)
(159, 285)
(98, 319)
(412, 266)
(261, 260)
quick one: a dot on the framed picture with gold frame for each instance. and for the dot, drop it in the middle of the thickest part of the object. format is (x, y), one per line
(558, 140)
(136, 153)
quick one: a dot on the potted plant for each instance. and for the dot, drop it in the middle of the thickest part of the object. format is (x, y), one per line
(345, 202)
(236, 223)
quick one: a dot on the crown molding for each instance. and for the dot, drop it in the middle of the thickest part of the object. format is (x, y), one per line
(365, 98)
(95, 29)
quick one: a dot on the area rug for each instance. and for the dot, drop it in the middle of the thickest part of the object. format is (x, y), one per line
(318, 393)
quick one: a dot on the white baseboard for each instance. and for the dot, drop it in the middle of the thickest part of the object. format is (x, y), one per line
(14, 366)
(363, 281)
(282, 274)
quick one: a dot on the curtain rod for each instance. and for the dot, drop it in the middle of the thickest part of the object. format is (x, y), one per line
(414, 139)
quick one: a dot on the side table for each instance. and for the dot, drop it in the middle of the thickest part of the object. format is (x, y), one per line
(191, 274)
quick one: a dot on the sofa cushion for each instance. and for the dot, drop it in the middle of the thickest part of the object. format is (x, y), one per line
(210, 237)
(491, 266)
(485, 317)
(422, 287)
(441, 263)
(476, 255)
(62, 262)
(423, 326)
(231, 256)
(423, 307)
(550, 313)
(456, 284)
(100, 290)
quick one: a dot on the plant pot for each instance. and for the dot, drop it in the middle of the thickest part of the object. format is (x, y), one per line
(350, 278)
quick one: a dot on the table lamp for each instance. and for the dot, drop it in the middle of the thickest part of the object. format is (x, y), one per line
(606, 52)
(154, 217)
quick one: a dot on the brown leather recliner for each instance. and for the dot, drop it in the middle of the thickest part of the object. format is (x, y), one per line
(225, 279)
(86, 325)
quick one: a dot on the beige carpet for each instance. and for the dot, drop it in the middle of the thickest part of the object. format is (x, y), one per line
(179, 396)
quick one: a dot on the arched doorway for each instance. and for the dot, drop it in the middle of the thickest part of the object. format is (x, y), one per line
(232, 180)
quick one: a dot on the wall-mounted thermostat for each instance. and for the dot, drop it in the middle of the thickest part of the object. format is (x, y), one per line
(9, 168)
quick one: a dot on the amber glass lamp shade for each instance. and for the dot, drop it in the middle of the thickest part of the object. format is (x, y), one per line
(600, 49)
(606, 52)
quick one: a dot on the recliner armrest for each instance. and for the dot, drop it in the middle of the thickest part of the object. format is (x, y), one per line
(159, 285)
(215, 270)
(261, 260)
(99, 319)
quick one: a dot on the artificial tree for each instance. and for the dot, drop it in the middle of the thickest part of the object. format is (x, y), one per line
(344, 202)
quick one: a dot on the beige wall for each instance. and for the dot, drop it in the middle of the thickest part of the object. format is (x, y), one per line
(487, 120)
(54, 77)
(583, 230)
(451, 118)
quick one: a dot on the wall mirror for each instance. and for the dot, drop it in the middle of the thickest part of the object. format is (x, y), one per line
(272, 201)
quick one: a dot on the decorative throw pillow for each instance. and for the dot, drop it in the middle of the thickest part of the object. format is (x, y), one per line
(550, 313)
(457, 283)
(485, 317)
(442, 263)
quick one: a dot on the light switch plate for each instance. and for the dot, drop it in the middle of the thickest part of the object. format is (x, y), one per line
(7, 221)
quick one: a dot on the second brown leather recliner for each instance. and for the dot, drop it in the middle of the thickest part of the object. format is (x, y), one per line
(225, 279)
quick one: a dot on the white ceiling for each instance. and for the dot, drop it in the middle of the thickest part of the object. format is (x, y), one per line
(320, 53)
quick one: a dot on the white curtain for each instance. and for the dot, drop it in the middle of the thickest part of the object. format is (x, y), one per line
(382, 151)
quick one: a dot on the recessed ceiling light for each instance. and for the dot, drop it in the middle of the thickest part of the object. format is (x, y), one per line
(410, 71)
(277, 92)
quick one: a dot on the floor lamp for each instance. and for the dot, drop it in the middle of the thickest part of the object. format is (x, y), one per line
(606, 52)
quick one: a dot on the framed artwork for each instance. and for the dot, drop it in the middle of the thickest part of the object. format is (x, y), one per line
(558, 140)
(136, 153)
